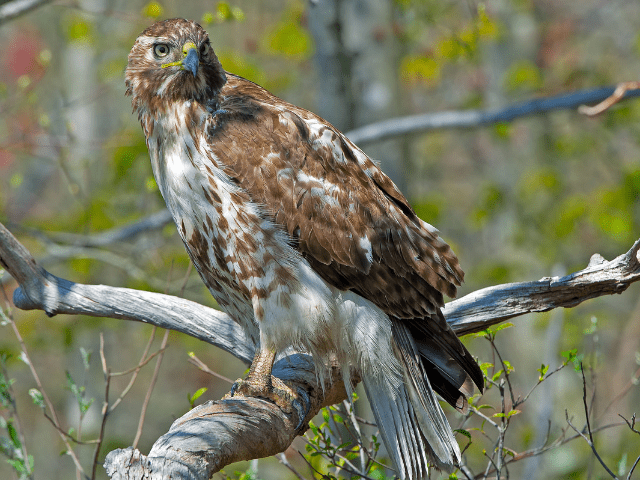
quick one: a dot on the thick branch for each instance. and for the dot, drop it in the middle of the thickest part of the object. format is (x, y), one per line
(379, 131)
(218, 433)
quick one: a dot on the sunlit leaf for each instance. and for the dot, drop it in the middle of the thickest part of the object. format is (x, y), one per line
(37, 397)
(523, 75)
(152, 10)
(288, 38)
(420, 69)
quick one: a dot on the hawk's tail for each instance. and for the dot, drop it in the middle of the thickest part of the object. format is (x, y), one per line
(411, 421)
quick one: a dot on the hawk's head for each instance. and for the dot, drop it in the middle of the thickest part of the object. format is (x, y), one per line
(172, 60)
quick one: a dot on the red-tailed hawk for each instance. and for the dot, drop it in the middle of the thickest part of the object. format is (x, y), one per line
(303, 240)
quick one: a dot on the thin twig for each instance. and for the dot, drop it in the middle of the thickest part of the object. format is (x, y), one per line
(631, 423)
(66, 434)
(503, 428)
(152, 384)
(558, 442)
(627, 388)
(143, 361)
(635, 464)
(105, 407)
(589, 439)
(520, 401)
(607, 103)
(282, 458)
(54, 417)
(135, 370)
(194, 360)
(348, 405)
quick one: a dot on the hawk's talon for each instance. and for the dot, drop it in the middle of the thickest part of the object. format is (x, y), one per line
(275, 391)
(234, 389)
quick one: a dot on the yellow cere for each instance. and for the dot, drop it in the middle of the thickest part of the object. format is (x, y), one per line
(185, 50)
(188, 46)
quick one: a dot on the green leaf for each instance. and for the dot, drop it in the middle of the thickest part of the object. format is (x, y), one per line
(420, 69)
(325, 414)
(482, 334)
(152, 10)
(288, 38)
(79, 30)
(512, 413)
(485, 366)
(543, 371)
(523, 75)
(313, 427)
(508, 367)
(497, 375)
(622, 465)
(13, 435)
(464, 432)
(570, 355)
(593, 328)
(37, 397)
(196, 395)
(502, 326)
(86, 357)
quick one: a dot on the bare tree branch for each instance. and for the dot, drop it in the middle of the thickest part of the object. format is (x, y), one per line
(421, 123)
(11, 10)
(218, 433)
(486, 307)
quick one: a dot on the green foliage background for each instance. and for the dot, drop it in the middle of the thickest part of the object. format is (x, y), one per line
(517, 201)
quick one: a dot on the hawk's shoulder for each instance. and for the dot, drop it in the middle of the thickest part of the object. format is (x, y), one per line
(344, 215)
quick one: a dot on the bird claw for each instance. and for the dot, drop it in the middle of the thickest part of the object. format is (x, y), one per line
(277, 392)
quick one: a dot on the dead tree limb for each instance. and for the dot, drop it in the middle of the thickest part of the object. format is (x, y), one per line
(16, 8)
(216, 434)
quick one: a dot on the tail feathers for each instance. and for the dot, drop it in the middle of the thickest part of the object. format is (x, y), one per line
(412, 424)
(451, 369)
(431, 419)
(399, 428)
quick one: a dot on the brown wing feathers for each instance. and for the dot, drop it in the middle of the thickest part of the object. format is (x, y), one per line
(348, 220)
(353, 225)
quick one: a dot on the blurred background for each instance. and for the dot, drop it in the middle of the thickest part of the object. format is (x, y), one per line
(517, 201)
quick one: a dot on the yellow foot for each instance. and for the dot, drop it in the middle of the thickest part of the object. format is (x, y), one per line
(275, 391)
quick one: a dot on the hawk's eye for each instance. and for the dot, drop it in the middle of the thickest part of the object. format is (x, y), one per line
(161, 50)
(204, 48)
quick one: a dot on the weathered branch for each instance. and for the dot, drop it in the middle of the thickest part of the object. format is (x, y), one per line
(218, 433)
(488, 306)
(425, 122)
(11, 10)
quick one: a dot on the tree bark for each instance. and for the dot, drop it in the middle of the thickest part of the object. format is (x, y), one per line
(218, 433)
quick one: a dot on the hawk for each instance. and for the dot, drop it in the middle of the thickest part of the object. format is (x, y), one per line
(303, 241)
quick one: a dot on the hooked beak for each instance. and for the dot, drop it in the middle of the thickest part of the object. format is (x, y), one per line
(191, 60)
